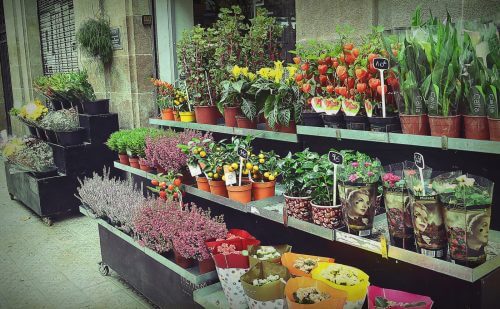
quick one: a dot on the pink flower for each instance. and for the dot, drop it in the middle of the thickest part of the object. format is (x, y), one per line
(355, 164)
(367, 164)
(370, 173)
(353, 177)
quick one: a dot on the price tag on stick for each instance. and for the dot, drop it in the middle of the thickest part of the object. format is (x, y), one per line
(420, 163)
(243, 153)
(336, 159)
(382, 64)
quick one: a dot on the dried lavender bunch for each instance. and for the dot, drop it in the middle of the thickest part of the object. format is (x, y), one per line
(63, 120)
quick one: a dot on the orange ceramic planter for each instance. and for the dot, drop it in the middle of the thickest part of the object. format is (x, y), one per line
(167, 114)
(144, 167)
(206, 114)
(202, 184)
(242, 194)
(245, 123)
(230, 116)
(291, 128)
(218, 187)
(445, 126)
(262, 190)
(476, 127)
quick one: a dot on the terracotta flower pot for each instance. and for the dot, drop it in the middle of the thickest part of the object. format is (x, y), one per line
(242, 194)
(123, 158)
(187, 116)
(176, 116)
(298, 207)
(134, 162)
(327, 216)
(476, 127)
(206, 114)
(291, 128)
(202, 183)
(206, 266)
(167, 114)
(218, 187)
(415, 124)
(245, 123)
(145, 167)
(494, 126)
(262, 190)
(445, 126)
(182, 261)
(230, 116)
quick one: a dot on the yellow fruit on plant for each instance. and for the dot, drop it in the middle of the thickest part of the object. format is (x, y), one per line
(245, 172)
(230, 169)
(262, 161)
(234, 166)
(223, 178)
(266, 174)
(203, 154)
(261, 156)
(255, 168)
(216, 176)
(195, 151)
(210, 175)
(249, 166)
(271, 177)
(200, 149)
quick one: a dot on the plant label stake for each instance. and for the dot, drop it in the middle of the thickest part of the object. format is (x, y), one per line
(195, 170)
(381, 64)
(337, 159)
(229, 175)
(419, 162)
(208, 86)
(243, 153)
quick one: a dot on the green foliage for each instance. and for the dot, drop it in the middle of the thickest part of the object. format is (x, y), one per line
(71, 86)
(294, 170)
(321, 181)
(94, 36)
(132, 141)
(463, 191)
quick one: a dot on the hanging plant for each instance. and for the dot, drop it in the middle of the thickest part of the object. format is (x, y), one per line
(94, 36)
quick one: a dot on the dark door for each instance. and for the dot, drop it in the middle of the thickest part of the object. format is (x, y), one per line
(5, 71)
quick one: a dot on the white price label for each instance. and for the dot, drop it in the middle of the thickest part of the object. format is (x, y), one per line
(195, 170)
(230, 177)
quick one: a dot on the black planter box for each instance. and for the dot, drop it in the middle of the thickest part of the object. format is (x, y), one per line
(99, 127)
(159, 279)
(70, 138)
(98, 107)
(84, 158)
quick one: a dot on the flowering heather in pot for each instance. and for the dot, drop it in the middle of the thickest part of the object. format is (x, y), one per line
(196, 227)
(112, 198)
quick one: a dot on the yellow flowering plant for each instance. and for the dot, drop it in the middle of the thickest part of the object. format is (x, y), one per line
(31, 113)
(235, 92)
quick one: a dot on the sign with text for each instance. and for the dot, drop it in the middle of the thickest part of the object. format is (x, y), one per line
(116, 40)
(243, 153)
(419, 160)
(335, 157)
(381, 63)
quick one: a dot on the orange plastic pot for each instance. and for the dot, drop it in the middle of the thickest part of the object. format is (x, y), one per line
(123, 159)
(167, 114)
(262, 190)
(291, 128)
(206, 114)
(218, 187)
(206, 266)
(134, 162)
(230, 116)
(202, 184)
(445, 126)
(242, 194)
(245, 123)
(414, 124)
(494, 126)
(476, 127)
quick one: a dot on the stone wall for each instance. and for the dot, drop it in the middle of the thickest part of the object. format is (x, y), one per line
(3, 114)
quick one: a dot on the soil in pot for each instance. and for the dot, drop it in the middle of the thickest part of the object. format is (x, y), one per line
(134, 162)
(245, 123)
(242, 194)
(313, 119)
(494, 126)
(476, 127)
(334, 121)
(202, 183)
(230, 116)
(51, 136)
(167, 114)
(206, 114)
(359, 203)
(357, 123)
(414, 124)
(387, 124)
(187, 116)
(445, 126)
(76, 137)
(98, 107)
(298, 207)
(124, 158)
(262, 190)
(182, 261)
(206, 266)
(291, 128)
(218, 187)
(327, 216)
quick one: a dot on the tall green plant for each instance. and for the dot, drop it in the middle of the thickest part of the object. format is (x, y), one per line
(94, 36)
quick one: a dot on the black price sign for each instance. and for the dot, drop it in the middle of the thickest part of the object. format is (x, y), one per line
(335, 157)
(419, 160)
(243, 153)
(381, 63)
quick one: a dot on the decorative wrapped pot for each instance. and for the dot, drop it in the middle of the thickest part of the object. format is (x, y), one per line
(98, 107)
(327, 216)
(428, 225)
(357, 123)
(245, 123)
(281, 249)
(262, 190)
(288, 260)
(415, 124)
(449, 126)
(334, 121)
(206, 114)
(230, 268)
(396, 296)
(312, 119)
(230, 113)
(387, 124)
(336, 300)
(358, 205)
(397, 208)
(69, 138)
(298, 207)
(467, 229)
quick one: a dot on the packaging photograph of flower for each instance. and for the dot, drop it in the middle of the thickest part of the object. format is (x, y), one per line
(260, 163)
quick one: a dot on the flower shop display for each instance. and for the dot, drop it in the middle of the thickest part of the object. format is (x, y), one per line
(304, 293)
(263, 171)
(134, 141)
(170, 99)
(213, 161)
(196, 151)
(264, 285)
(301, 265)
(346, 278)
(382, 298)
(239, 189)
(116, 142)
(30, 155)
(467, 203)
(271, 254)
(63, 127)
(358, 177)
(168, 186)
(31, 114)
(397, 206)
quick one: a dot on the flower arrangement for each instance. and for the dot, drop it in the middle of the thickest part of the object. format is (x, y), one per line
(30, 113)
(64, 120)
(28, 154)
(359, 168)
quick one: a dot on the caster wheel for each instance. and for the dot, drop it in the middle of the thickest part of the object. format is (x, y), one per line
(103, 269)
(48, 221)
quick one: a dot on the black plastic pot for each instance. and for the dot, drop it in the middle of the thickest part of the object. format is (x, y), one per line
(46, 173)
(51, 136)
(32, 130)
(357, 123)
(387, 124)
(56, 104)
(76, 137)
(98, 107)
(312, 119)
(334, 121)
(40, 133)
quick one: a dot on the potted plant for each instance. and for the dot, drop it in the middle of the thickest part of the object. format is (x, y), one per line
(183, 107)
(196, 151)
(166, 94)
(168, 186)
(294, 168)
(66, 125)
(214, 159)
(116, 142)
(240, 189)
(467, 213)
(263, 170)
(359, 176)
(325, 211)
(31, 114)
(95, 38)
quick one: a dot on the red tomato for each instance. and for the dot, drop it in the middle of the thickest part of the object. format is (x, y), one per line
(379, 89)
(348, 46)
(176, 194)
(355, 52)
(305, 66)
(329, 89)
